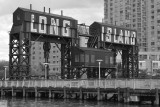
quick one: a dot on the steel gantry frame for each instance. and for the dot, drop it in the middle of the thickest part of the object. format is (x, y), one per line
(19, 55)
(22, 36)
(129, 52)
(20, 49)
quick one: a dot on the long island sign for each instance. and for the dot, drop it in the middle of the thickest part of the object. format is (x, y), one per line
(45, 23)
(114, 34)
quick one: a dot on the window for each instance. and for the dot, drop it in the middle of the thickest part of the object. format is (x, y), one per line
(152, 17)
(134, 20)
(33, 52)
(111, 60)
(81, 57)
(87, 58)
(134, 10)
(140, 64)
(133, 5)
(152, 1)
(152, 6)
(152, 27)
(42, 25)
(92, 58)
(139, 24)
(76, 58)
(106, 59)
(33, 47)
(155, 65)
(152, 43)
(144, 56)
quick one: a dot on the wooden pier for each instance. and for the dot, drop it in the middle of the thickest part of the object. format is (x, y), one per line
(122, 90)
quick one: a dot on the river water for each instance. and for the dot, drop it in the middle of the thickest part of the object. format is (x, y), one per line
(32, 102)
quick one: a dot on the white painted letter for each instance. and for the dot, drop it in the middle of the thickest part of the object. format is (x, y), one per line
(32, 24)
(133, 37)
(54, 26)
(127, 35)
(42, 24)
(65, 29)
(108, 35)
(115, 35)
(102, 34)
(120, 37)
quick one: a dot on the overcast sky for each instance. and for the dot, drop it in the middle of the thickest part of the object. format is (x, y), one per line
(85, 11)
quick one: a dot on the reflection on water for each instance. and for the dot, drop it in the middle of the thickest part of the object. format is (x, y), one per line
(27, 102)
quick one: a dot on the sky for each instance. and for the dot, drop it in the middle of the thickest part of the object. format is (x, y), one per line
(85, 11)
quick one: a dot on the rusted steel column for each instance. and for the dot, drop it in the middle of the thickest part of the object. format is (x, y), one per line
(2, 93)
(50, 93)
(80, 93)
(24, 92)
(156, 97)
(13, 93)
(127, 95)
(36, 92)
(64, 93)
(119, 95)
(98, 94)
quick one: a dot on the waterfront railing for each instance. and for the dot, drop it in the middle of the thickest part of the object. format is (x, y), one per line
(106, 83)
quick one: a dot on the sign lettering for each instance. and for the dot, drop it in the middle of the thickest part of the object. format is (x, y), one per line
(117, 35)
(50, 25)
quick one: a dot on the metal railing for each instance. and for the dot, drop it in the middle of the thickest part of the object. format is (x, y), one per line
(107, 83)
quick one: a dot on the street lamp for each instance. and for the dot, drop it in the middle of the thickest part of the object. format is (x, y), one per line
(99, 62)
(5, 72)
(45, 69)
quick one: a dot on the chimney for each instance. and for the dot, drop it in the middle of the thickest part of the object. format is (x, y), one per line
(49, 10)
(30, 6)
(44, 9)
(61, 12)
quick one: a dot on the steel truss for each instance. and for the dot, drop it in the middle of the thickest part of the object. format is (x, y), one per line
(129, 59)
(19, 67)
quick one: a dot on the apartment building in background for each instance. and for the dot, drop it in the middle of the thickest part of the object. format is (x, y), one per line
(37, 59)
(141, 15)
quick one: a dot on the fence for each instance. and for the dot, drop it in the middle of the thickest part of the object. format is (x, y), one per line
(107, 83)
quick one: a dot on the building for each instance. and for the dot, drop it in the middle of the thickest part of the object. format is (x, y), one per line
(142, 15)
(37, 59)
(150, 67)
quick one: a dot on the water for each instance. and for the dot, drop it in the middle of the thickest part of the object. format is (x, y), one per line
(28, 102)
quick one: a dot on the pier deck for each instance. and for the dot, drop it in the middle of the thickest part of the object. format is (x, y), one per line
(121, 89)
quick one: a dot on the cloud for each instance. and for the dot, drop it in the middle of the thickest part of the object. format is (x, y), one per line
(5, 26)
(83, 15)
(8, 6)
(85, 11)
